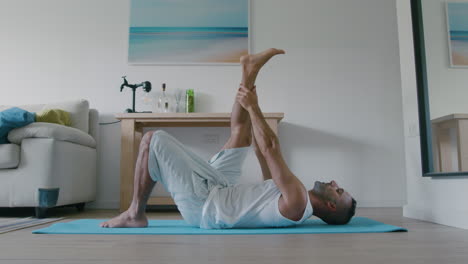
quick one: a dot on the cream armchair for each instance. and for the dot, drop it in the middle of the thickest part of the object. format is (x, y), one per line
(48, 165)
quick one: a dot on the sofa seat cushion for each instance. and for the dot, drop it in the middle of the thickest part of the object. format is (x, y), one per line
(50, 130)
(9, 156)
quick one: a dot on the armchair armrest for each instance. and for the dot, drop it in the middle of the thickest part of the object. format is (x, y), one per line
(50, 130)
(94, 124)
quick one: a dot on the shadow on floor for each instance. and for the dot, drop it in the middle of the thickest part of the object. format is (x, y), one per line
(68, 211)
(21, 212)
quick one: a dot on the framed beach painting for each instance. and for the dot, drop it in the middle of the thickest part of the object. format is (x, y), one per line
(457, 24)
(188, 32)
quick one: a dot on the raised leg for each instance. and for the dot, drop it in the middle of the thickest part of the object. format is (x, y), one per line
(143, 185)
(241, 135)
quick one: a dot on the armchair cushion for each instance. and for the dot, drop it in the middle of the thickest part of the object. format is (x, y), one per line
(9, 156)
(78, 109)
(79, 112)
(56, 116)
(50, 130)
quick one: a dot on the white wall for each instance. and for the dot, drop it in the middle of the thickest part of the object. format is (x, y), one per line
(338, 85)
(439, 200)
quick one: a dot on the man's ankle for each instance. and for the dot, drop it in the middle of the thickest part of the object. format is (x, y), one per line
(134, 211)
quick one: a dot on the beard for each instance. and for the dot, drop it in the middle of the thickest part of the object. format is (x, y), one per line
(320, 190)
(319, 186)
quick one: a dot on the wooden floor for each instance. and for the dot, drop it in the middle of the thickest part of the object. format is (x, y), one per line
(424, 243)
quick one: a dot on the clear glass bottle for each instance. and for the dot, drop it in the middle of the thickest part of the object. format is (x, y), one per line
(179, 104)
(163, 102)
(146, 98)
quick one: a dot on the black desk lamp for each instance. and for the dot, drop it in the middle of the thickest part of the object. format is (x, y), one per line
(146, 87)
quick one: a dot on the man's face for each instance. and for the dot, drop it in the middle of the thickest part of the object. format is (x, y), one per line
(331, 192)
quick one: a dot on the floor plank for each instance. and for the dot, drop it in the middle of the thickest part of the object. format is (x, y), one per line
(424, 243)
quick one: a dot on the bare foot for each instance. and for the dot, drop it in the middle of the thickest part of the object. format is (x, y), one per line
(126, 219)
(253, 62)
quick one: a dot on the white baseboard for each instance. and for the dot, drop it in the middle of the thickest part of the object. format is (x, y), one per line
(448, 217)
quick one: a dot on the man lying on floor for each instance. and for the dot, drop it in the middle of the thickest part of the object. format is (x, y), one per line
(207, 194)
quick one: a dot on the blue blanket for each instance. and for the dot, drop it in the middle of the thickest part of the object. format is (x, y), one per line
(180, 227)
(13, 118)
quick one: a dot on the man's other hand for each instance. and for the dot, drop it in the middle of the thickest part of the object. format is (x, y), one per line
(247, 98)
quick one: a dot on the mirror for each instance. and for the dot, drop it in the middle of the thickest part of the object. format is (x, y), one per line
(440, 31)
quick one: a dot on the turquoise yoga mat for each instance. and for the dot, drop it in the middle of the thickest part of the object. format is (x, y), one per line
(180, 227)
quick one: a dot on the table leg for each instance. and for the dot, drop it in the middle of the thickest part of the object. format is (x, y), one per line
(127, 162)
(462, 144)
(273, 123)
(445, 150)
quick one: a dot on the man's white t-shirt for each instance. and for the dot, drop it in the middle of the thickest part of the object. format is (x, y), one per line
(246, 206)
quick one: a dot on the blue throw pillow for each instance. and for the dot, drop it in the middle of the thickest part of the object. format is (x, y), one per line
(13, 118)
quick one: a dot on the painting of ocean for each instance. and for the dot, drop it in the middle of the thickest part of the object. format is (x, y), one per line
(457, 20)
(188, 32)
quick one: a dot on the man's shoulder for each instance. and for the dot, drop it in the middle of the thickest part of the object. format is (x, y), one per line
(295, 207)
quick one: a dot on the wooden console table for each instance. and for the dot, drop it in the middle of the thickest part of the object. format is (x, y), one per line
(132, 131)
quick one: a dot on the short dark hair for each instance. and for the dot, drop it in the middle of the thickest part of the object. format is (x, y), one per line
(341, 218)
(351, 211)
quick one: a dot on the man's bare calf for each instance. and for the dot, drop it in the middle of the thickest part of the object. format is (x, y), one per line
(143, 184)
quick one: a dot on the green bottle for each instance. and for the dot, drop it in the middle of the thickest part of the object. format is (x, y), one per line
(189, 101)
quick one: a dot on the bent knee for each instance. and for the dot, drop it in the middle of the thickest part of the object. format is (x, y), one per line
(146, 140)
(157, 136)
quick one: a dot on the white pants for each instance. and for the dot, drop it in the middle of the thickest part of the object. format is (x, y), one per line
(187, 177)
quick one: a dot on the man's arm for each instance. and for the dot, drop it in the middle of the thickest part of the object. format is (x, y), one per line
(292, 189)
(261, 159)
